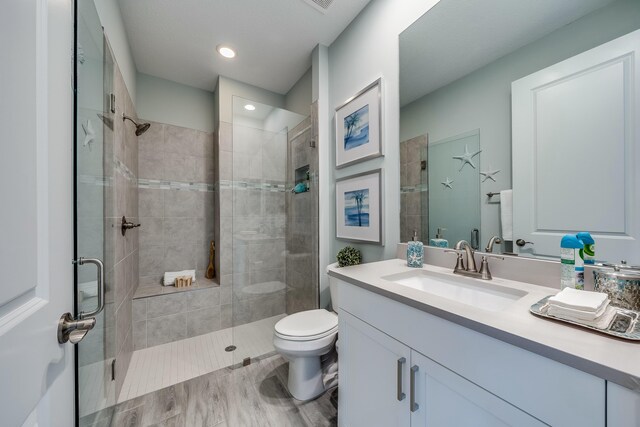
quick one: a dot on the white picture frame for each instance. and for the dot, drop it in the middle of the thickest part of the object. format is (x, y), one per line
(359, 126)
(359, 208)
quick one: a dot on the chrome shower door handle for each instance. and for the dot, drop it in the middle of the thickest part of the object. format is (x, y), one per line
(100, 280)
(400, 394)
(412, 389)
(75, 329)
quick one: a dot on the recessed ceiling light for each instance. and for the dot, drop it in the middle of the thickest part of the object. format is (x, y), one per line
(226, 51)
(249, 107)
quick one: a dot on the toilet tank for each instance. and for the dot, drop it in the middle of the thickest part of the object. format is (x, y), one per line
(333, 288)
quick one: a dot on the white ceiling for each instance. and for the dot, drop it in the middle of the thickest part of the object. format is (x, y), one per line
(177, 39)
(457, 37)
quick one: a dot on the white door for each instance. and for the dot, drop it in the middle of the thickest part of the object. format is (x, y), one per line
(374, 374)
(576, 154)
(36, 219)
(444, 398)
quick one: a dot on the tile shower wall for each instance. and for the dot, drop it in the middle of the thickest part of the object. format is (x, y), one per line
(177, 202)
(258, 225)
(302, 221)
(171, 317)
(414, 196)
(120, 198)
(223, 209)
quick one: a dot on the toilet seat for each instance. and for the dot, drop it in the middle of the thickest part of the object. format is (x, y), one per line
(307, 325)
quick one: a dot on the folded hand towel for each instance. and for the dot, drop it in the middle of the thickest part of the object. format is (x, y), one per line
(579, 300)
(506, 214)
(601, 322)
(581, 315)
(170, 276)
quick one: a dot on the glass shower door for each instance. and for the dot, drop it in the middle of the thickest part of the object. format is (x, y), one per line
(260, 288)
(93, 147)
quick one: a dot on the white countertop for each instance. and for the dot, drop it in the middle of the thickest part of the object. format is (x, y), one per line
(606, 357)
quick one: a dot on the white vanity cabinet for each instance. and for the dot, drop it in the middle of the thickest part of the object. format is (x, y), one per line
(385, 383)
(375, 383)
(459, 377)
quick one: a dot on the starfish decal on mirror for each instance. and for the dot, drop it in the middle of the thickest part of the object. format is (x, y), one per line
(489, 174)
(447, 183)
(89, 133)
(466, 157)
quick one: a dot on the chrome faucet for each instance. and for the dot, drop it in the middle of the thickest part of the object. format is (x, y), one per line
(470, 270)
(492, 241)
(471, 261)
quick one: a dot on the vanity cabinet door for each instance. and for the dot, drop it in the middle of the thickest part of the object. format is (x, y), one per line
(623, 406)
(374, 376)
(442, 398)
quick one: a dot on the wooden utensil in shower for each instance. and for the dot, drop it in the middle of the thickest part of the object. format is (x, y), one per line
(211, 269)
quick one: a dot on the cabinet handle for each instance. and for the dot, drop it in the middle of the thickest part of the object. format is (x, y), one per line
(401, 395)
(414, 405)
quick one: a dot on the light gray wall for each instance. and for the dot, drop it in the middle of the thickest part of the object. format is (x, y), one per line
(111, 19)
(298, 99)
(482, 99)
(166, 101)
(366, 50)
(228, 88)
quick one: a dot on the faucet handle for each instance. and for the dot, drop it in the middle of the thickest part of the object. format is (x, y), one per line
(485, 274)
(454, 251)
(459, 261)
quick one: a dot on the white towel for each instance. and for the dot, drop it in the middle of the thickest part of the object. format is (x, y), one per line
(506, 214)
(581, 315)
(601, 322)
(579, 300)
(170, 276)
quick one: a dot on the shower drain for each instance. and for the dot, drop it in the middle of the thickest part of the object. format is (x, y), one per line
(230, 348)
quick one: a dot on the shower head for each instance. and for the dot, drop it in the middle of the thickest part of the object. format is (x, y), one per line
(140, 128)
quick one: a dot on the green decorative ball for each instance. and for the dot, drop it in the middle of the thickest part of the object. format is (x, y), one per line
(349, 256)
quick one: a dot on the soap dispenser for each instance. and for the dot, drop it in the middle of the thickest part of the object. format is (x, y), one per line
(439, 241)
(415, 252)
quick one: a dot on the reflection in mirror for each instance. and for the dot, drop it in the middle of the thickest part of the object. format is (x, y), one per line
(549, 89)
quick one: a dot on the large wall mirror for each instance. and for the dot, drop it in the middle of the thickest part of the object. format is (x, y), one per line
(519, 119)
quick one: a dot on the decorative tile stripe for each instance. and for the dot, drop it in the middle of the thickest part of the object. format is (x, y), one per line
(260, 186)
(158, 184)
(98, 181)
(414, 189)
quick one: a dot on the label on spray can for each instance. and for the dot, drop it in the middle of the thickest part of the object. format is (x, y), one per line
(589, 253)
(567, 267)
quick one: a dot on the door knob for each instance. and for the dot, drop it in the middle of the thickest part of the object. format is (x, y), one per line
(522, 242)
(70, 329)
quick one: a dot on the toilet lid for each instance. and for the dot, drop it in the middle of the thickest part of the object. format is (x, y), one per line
(307, 323)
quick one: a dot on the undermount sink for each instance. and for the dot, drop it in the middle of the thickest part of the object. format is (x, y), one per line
(481, 294)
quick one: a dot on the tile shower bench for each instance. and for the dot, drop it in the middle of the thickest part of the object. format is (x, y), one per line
(163, 314)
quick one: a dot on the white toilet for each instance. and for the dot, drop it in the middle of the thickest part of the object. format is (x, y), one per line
(302, 338)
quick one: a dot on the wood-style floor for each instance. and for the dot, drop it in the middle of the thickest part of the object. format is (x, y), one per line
(255, 395)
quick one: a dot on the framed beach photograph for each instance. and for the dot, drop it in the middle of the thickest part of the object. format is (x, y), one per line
(358, 127)
(359, 207)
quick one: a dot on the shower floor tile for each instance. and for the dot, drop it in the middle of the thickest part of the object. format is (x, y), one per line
(158, 367)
